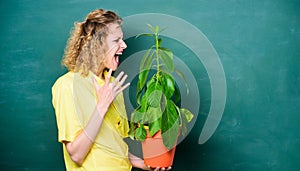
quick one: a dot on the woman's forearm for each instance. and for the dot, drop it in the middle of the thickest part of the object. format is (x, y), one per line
(137, 162)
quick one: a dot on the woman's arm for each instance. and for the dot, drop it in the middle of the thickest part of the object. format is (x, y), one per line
(137, 162)
(79, 148)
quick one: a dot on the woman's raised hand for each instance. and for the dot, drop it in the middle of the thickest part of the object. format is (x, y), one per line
(107, 93)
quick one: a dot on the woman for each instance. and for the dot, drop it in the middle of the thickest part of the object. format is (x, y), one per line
(88, 101)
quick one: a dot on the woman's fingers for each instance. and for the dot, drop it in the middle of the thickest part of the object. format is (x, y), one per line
(162, 168)
(119, 81)
(123, 88)
(95, 84)
(118, 78)
(123, 79)
(111, 89)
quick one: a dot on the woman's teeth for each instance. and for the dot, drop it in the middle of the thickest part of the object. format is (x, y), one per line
(117, 57)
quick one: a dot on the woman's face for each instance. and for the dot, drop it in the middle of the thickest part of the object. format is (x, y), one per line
(115, 46)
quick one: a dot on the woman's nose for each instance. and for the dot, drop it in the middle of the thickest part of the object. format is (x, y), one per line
(123, 44)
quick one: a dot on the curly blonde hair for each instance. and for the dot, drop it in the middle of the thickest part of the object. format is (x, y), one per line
(86, 47)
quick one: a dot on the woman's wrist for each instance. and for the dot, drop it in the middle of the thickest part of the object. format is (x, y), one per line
(101, 109)
(138, 162)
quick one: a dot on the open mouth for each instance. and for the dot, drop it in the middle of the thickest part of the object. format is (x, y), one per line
(117, 55)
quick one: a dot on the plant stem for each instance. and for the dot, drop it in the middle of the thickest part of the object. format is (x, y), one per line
(157, 59)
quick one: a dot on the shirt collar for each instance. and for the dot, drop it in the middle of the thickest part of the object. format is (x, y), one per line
(98, 79)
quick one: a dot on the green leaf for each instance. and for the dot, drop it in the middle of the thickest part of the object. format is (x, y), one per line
(184, 128)
(164, 69)
(154, 98)
(166, 56)
(142, 108)
(150, 27)
(181, 75)
(148, 88)
(143, 75)
(187, 114)
(132, 128)
(167, 51)
(161, 30)
(169, 86)
(145, 67)
(147, 60)
(176, 95)
(154, 127)
(156, 29)
(140, 133)
(137, 116)
(155, 115)
(170, 125)
(144, 34)
(163, 103)
(187, 117)
(151, 81)
(154, 94)
(144, 104)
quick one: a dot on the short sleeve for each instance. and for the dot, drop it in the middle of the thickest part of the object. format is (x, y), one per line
(67, 122)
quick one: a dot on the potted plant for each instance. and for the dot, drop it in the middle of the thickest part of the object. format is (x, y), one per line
(158, 118)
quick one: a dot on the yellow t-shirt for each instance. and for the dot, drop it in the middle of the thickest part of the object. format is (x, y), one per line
(74, 100)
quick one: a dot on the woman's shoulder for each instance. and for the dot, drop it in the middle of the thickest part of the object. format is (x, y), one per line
(65, 80)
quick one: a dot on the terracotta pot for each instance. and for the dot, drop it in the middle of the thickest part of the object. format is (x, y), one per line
(155, 153)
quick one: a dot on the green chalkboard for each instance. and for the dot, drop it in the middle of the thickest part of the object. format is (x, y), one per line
(257, 43)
